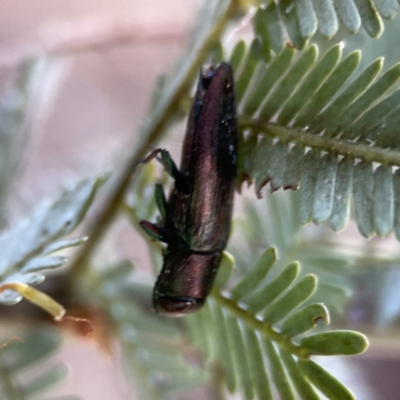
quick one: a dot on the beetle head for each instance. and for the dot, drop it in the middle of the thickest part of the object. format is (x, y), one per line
(184, 282)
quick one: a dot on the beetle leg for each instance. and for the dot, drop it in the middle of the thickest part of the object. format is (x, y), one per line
(173, 171)
(166, 160)
(151, 156)
(154, 231)
(161, 201)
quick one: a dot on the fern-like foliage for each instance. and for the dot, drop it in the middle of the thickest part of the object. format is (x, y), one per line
(275, 222)
(298, 20)
(261, 336)
(153, 346)
(312, 121)
(18, 359)
(27, 247)
(256, 333)
(256, 336)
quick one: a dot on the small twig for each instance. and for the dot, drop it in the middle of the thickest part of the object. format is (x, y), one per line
(37, 297)
(12, 339)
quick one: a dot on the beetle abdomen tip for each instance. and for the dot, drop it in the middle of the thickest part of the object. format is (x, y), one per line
(177, 305)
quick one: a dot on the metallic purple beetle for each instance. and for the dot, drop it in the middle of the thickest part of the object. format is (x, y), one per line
(197, 215)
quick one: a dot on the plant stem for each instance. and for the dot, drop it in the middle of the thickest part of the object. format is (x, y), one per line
(262, 326)
(306, 139)
(151, 133)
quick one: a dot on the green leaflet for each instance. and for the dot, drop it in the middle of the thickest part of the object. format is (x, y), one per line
(343, 108)
(256, 364)
(362, 195)
(292, 174)
(247, 71)
(308, 182)
(324, 189)
(295, 296)
(25, 246)
(310, 84)
(255, 275)
(367, 126)
(288, 13)
(306, 17)
(284, 88)
(301, 19)
(224, 351)
(217, 54)
(246, 158)
(305, 319)
(342, 194)
(274, 26)
(386, 131)
(387, 8)
(266, 294)
(327, 19)
(237, 55)
(247, 336)
(63, 244)
(278, 372)
(325, 382)
(384, 83)
(335, 343)
(383, 208)
(261, 163)
(261, 31)
(269, 76)
(371, 20)
(303, 386)
(283, 221)
(240, 356)
(324, 94)
(348, 14)
(277, 165)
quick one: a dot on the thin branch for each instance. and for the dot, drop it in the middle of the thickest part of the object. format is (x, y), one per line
(37, 297)
(150, 134)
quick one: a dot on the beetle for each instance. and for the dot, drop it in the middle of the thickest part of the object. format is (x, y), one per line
(196, 218)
